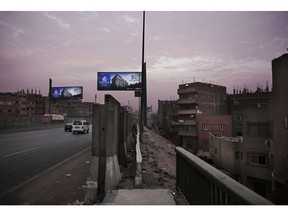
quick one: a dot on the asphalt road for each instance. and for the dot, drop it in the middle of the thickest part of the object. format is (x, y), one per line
(24, 155)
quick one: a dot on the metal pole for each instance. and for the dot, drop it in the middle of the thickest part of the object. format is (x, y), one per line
(145, 97)
(143, 89)
(50, 95)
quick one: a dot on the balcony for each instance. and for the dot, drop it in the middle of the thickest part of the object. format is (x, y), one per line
(187, 101)
(187, 112)
(187, 122)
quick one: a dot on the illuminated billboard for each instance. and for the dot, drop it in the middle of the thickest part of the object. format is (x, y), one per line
(67, 93)
(118, 81)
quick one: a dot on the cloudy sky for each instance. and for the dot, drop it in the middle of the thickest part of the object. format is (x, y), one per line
(227, 48)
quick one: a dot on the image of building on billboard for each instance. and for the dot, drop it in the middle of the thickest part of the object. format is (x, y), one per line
(67, 93)
(118, 81)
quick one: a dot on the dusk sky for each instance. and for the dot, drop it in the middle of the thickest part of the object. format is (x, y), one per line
(227, 48)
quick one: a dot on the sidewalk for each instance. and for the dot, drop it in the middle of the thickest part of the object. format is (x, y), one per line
(139, 197)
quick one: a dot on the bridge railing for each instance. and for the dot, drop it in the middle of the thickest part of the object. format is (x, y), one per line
(201, 183)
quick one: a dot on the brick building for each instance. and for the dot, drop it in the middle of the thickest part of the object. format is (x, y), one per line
(21, 107)
(198, 98)
(219, 125)
(261, 119)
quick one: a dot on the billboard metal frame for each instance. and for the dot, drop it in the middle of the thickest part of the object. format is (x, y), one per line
(119, 81)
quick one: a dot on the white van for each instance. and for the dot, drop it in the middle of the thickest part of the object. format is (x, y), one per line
(80, 126)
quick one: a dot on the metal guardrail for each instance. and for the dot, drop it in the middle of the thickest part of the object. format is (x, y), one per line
(201, 183)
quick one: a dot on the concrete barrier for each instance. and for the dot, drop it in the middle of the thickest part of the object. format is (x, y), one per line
(112, 133)
(104, 171)
(138, 175)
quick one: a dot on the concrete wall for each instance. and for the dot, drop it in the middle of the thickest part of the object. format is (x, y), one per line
(280, 112)
(223, 150)
(212, 124)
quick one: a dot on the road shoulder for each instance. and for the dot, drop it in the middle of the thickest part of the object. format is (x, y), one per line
(61, 186)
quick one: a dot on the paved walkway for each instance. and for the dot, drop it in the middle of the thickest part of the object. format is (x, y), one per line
(139, 197)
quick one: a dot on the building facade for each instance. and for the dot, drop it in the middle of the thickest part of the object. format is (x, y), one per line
(279, 143)
(21, 108)
(167, 119)
(28, 107)
(71, 109)
(219, 125)
(198, 98)
(260, 161)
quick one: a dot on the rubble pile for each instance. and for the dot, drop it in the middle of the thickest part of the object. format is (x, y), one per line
(159, 161)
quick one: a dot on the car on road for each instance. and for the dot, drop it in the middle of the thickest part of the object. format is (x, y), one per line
(68, 127)
(80, 126)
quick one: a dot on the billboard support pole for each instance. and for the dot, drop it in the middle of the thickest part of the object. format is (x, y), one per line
(50, 95)
(145, 97)
(143, 119)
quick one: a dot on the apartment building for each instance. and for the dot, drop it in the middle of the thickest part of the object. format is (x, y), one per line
(27, 107)
(260, 161)
(241, 100)
(9, 105)
(21, 107)
(167, 119)
(198, 98)
(279, 143)
(70, 108)
(219, 125)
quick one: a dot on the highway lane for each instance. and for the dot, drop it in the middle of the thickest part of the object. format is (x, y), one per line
(24, 155)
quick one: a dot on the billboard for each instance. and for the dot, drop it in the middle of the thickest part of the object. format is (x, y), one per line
(67, 93)
(127, 81)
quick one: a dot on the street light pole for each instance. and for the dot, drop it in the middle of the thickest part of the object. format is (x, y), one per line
(144, 85)
(50, 95)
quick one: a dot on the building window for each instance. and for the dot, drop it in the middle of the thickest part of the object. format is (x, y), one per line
(222, 127)
(238, 118)
(258, 160)
(259, 129)
(205, 127)
(238, 155)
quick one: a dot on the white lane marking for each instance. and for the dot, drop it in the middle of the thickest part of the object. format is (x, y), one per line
(19, 152)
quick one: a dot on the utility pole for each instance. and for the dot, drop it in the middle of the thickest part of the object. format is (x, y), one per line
(144, 85)
(50, 95)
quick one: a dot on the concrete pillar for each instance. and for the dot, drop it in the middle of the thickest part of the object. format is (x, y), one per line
(104, 170)
(127, 130)
(122, 149)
